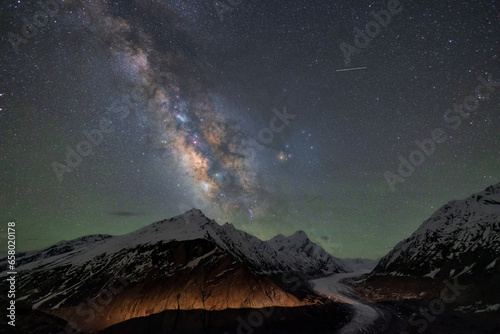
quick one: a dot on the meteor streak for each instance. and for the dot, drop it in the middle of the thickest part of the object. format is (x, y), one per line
(351, 69)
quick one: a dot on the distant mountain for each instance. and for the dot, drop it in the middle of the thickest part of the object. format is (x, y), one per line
(449, 267)
(360, 264)
(187, 262)
(305, 256)
(461, 239)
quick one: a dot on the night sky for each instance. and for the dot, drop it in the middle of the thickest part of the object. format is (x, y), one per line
(270, 115)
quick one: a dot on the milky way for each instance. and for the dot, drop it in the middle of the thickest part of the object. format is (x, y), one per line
(192, 99)
(208, 148)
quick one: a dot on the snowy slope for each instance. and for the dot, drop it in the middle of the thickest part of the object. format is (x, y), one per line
(300, 254)
(306, 254)
(186, 262)
(461, 238)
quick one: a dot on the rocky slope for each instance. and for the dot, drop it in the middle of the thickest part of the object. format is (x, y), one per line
(460, 239)
(326, 318)
(183, 263)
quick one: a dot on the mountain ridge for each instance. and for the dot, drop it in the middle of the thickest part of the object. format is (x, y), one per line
(185, 262)
(193, 224)
(449, 242)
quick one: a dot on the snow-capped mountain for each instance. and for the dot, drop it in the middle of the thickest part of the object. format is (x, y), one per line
(280, 254)
(360, 264)
(460, 239)
(306, 256)
(184, 263)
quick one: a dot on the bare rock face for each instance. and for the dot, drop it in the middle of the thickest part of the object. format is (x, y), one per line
(326, 318)
(198, 275)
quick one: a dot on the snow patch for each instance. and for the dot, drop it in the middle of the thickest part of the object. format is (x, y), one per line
(489, 308)
(433, 273)
(492, 264)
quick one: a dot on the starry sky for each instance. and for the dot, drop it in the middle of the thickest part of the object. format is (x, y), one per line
(353, 121)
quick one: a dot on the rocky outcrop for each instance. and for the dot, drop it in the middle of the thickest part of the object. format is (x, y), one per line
(189, 275)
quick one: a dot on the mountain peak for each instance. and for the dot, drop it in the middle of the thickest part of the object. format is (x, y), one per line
(194, 215)
(297, 236)
(449, 241)
(300, 234)
(195, 211)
